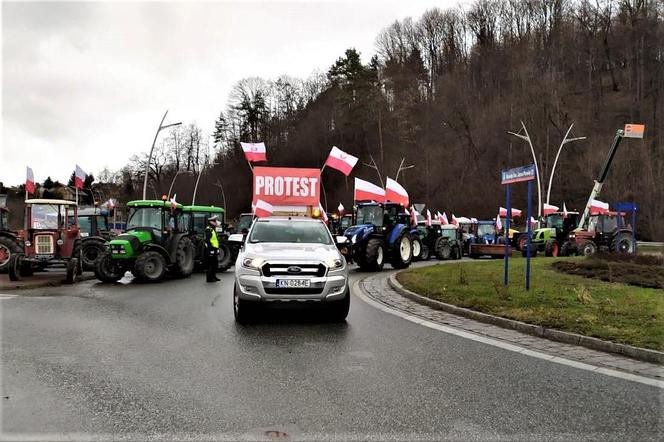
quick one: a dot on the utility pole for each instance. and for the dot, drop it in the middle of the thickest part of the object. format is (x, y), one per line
(147, 165)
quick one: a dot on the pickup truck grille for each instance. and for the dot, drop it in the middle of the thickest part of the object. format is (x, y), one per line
(279, 269)
(294, 291)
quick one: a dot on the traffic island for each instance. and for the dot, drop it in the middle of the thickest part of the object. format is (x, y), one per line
(603, 316)
(50, 278)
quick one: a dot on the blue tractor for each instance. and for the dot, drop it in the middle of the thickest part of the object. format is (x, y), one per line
(380, 235)
(485, 241)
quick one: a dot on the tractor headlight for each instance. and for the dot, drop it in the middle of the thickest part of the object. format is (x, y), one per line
(59, 242)
(354, 239)
(28, 243)
(334, 263)
(253, 263)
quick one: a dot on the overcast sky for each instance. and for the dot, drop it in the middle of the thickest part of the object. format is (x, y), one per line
(87, 83)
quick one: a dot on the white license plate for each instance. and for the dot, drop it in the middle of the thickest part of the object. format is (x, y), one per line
(293, 283)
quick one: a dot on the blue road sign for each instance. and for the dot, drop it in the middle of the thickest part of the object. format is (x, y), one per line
(518, 174)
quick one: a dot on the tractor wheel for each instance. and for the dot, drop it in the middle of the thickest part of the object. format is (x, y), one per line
(92, 250)
(184, 258)
(567, 249)
(402, 252)
(588, 248)
(78, 254)
(72, 270)
(107, 269)
(417, 249)
(373, 257)
(224, 257)
(443, 249)
(14, 266)
(551, 248)
(533, 251)
(8, 247)
(523, 239)
(623, 243)
(150, 266)
(424, 256)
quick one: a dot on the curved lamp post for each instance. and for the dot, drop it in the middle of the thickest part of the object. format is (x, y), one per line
(147, 165)
(553, 169)
(526, 137)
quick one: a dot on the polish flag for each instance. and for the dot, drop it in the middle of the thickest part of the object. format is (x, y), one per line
(455, 221)
(340, 160)
(341, 208)
(429, 220)
(473, 220)
(444, 219)
(110, 204)
(29, 181)
(174, 203)
(79, 177)
(395, 192)
(439, 217)
(499, 224)
(564, 211)
(549, 209)
(515, 212)
(533, 222)
(254, 151)
(323, 214)
(413, 216)
(365, 191)
(598, 207)
(263, 209)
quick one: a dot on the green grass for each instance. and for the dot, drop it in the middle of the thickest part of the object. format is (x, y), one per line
(610, 311)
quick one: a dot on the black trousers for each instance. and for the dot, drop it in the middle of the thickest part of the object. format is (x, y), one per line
(212, 265)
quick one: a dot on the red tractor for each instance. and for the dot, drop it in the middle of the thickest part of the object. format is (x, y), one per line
(52, 238)
(605, 233)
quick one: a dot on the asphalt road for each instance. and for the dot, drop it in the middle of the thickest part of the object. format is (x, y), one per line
(168, 361)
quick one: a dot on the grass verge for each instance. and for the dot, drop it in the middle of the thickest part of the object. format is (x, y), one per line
(611, 311)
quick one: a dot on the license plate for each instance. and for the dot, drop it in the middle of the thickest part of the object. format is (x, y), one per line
(293, 283)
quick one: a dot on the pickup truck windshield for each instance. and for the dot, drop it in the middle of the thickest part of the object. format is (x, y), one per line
(290, 232)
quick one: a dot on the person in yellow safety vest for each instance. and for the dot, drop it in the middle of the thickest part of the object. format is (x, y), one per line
(212, 249)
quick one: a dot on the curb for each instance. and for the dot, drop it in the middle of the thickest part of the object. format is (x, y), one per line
(642, 354)
(51, 283)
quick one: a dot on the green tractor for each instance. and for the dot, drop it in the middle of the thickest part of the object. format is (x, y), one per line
(551, 238)
(155, 243)
(196, 220)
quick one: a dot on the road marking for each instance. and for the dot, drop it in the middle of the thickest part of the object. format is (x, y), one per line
(504, 345)
(5, 296)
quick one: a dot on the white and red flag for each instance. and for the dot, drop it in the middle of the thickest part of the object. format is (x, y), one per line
(564, 211)
(110, 204)
(174, 203)
(455, 221)
(413, 216)
(499, 224)
(515, 212)
(341, 208)
(598, 207)
(429, 219)
(254, 152)
(395, 192)
(365, 191)
(263, 209)
(474, 220)
(533, 222)
(79, 177)
(549, 209)
(444, 219)
(29, 181)
(340, 160)
(323, 214)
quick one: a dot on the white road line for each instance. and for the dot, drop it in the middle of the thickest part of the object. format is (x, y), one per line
(5, 296)
(504, 345)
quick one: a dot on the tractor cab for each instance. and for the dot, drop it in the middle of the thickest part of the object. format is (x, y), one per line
(93, 221)
(155, 243)
(380, 233)
(552, 234)
(51, 238)
(196, 219)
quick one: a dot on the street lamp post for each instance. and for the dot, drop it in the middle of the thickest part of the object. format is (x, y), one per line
(526, 137)
(147, 165)
(553, 169)
(223, 194)
(402, 167)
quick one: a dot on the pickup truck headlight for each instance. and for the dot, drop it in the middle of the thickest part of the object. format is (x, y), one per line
(253, 263)
(334, 263)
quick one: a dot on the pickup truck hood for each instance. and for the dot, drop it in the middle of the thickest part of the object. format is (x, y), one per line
(292, 252)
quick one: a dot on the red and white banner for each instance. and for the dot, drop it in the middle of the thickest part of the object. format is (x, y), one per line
(455, 221)
(340, 160)
(287, 186)
(79, 177)
(499, 224)
(29, 181)
(365, 191)
(549, 209)
(263, 209)
(254, 151)
(395, 192)
(598, 207)
(515, 212)
(429, 219)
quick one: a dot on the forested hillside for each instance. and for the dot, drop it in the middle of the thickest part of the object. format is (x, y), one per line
(441, 91)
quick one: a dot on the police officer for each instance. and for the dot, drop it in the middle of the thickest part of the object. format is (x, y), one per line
(212, 249)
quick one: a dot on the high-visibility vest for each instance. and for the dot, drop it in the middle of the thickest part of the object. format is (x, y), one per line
(213, 239)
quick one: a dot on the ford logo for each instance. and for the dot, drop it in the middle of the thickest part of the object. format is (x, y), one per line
(294, 269)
